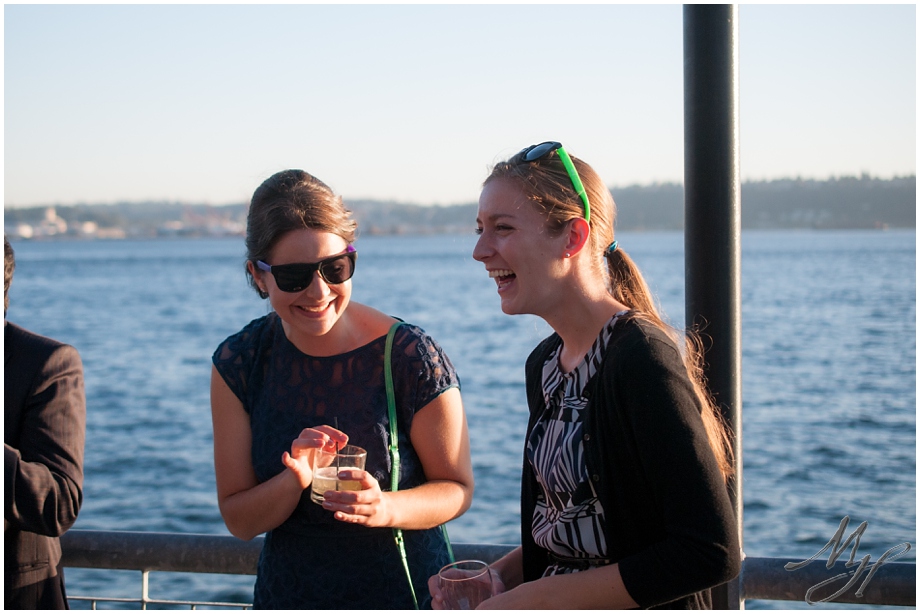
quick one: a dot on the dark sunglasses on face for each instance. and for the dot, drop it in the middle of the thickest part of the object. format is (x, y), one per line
(535, 152)
(298, 276)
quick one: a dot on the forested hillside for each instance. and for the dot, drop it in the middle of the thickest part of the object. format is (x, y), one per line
(845, 202)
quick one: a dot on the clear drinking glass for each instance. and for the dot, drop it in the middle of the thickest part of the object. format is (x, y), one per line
(326, 468)
(465, 584)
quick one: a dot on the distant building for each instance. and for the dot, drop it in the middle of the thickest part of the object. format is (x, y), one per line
(49, 226)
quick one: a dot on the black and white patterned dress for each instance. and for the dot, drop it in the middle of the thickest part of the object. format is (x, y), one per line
(568, 519)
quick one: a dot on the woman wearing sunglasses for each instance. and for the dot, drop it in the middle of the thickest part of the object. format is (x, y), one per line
(624, 501)
(309, 375)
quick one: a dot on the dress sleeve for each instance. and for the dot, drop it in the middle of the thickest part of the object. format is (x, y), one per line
(428, 372)
(44, 477)
(698, 546)
(234, 359)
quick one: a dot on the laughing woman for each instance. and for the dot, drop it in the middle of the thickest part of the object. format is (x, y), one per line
(624, 501)
(316, 360)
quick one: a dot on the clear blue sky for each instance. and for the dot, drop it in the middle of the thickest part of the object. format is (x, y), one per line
(415, 102)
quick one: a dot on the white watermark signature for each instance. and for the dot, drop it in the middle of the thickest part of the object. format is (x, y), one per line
(863, 565)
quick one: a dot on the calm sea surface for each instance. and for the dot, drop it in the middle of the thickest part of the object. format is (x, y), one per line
(829, 378)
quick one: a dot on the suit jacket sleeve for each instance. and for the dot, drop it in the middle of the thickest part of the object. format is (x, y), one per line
(44, 476)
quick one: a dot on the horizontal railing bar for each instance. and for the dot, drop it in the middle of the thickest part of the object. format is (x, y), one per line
(143, 551)
(193, 552)
(481, 552)
(761, 578)
(767, 578)
(223, 604)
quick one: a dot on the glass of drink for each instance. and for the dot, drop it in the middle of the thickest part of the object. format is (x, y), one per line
(326, 468)
(465, 584)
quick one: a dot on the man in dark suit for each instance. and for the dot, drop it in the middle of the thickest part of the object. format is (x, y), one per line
(44, 431)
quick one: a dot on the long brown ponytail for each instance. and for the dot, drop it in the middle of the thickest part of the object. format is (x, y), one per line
(548, 186)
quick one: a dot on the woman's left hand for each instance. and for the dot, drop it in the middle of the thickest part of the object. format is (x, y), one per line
(368, 506)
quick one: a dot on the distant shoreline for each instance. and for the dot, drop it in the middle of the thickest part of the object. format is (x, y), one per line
(840, 203)
(143, 238)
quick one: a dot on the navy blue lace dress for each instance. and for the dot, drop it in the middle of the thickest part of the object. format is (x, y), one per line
(313, 560)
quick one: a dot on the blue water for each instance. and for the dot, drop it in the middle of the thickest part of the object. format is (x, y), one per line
(829, 378)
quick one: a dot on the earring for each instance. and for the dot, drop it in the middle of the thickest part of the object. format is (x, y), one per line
(568, 255)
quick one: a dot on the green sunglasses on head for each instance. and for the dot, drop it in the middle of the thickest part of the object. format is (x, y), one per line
(535, 152)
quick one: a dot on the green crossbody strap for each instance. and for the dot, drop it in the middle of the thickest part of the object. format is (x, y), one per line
(394, 454)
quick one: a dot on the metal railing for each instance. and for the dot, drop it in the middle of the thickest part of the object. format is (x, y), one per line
(891, 584)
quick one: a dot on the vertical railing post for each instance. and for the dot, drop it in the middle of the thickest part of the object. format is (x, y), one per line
(145, 588)
(712, 210)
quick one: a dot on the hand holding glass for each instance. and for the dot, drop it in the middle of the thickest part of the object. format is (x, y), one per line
(326, 468)
(465, 584)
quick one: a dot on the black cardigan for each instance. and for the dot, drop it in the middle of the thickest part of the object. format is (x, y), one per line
(669, 521)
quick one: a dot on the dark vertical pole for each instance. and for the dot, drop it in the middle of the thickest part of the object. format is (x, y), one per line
(712, 210)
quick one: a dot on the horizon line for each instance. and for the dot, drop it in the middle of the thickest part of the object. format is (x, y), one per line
(161, 201)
